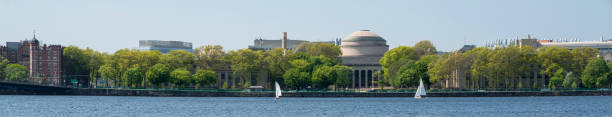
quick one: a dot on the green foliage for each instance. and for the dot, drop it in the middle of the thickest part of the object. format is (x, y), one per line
(277, 62)
(205, 77)
(244, 62)
(3, 63)
(342, 75)
(423, 48)
(109, 71)
(16, 72)
(158, 74)
(557, 80)
(132, 77)
(178, 59)
(323, 76)
(210, 56)
(554, 58)
(181, 77)
(570, 81)
(394, 59)
(595, 70)
(319, 49)
(296, 78)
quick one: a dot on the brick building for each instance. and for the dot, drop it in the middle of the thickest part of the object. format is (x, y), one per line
(42, 61)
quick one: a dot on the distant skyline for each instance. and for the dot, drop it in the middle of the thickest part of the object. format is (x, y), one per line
(110, 25)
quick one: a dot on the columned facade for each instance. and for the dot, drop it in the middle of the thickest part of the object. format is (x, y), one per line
(361, 51)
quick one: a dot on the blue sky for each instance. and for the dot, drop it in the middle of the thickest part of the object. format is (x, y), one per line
(109, 25)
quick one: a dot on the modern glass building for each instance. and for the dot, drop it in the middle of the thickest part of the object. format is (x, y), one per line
(164, 46)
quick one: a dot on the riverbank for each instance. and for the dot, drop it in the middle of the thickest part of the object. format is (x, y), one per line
(195, 93)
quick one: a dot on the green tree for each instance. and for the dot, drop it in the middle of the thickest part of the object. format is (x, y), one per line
(277, 62)
(244, 62)
(205, 77)
(595, 69)
(323, 76)
(342, 75)
(16, 72)
(132, 77)
(3, 63)
(158, 74)
(554, 58)
(319, 49)
(181, 77)
(79, 61)
(581, 57)
(557, 80)
(110, 72)
(296, 78)
(423, 48)
(394, 59)
(570, 81)
(210, 56)
(178, 59)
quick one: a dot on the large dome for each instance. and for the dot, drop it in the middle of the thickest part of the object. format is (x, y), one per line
(362, 45)
(363, 35)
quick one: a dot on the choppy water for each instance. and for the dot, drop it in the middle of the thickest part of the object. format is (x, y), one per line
(78, 106)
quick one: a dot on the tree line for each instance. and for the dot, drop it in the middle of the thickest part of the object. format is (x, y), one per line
(310, 64)
(509, 67)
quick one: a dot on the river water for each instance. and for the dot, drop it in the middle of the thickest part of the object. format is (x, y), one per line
(80, 106)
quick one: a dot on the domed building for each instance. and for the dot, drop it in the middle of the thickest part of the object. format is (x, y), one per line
(361, 50)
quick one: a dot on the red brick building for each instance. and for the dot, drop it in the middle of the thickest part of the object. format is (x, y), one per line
(43, 61)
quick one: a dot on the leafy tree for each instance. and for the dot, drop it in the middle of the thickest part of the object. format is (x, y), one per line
(581, 57)
(210, 56)
(181, 77)
(277, 62)
(110, 72)
(557, 80)
(570, 81)
(554, 58)
(296, 78)
(78, 61)
(323, 76)
(205, 77)
(178, 59)
(407, 76)
(319, 49)
(342, 75)
(132, 77)
(16, 72)
(3, 63)
(158, 74)
(595, 69)
(423, 48)
(394, 59)
(244, 62)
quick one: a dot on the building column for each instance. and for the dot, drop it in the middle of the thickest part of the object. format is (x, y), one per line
(353, 78)
(359, 78)
(367, 78)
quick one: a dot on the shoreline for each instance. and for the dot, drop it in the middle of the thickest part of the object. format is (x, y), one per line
(177, 93)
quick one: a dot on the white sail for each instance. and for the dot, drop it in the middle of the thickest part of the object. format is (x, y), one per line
(420, 91)
(278, 90)
(422, 87)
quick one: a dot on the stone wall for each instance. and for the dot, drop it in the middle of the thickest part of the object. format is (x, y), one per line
(172, 93)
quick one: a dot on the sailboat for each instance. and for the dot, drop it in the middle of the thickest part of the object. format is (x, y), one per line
(278, 91)
(420, 91)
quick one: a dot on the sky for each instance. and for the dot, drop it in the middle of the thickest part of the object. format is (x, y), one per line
(110, 25)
